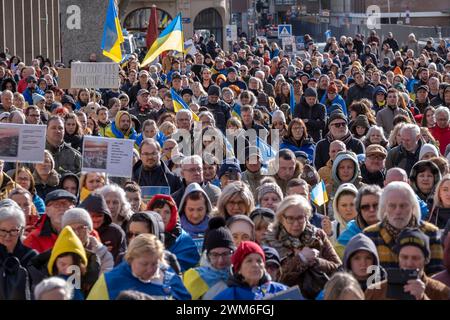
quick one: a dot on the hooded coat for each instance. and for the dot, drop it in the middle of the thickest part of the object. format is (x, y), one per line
(197, 231)
(356, 178)
(339, 224)
(177, 241)
(357, 243)
(111, 235)
(42, 266)
(15, 282)
(376, 105)
(113, 131)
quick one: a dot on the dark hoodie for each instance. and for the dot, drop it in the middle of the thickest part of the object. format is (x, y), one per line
(111, 235)
(361, 121)
(357, 243)
(377, 106)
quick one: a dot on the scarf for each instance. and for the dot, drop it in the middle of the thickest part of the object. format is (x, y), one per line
(120, 135)
(211, 275)
(194, 230)
(285, 244)
(393, 231)
(345, 139)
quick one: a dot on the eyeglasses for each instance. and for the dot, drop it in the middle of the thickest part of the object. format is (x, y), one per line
(216, 256)
(340, 124)
(366, 207)
(12, 233)
(292, 220)
(193, 170)
(149, 154)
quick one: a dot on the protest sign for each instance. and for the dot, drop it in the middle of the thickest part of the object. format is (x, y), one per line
(97, 75)
(112, 156)
(147, 192)
(292, 293)
(22, 142)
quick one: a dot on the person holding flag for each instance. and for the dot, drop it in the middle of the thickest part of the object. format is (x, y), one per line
(112, 34)
(179, 104)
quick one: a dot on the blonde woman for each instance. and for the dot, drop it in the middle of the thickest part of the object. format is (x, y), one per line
(143, 270)
(236, 198)
(90, 182)
(343, 286)
(394, 139)
(441, 204)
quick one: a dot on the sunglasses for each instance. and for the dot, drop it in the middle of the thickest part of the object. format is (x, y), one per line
(339, 125)
(366, 207)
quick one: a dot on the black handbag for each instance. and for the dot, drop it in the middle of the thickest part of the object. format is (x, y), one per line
(14, 280)
(312, 281)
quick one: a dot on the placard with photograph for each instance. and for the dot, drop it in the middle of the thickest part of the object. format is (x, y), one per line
(22, 142)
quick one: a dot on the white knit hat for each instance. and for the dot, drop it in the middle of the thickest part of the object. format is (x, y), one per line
(77, 215)
(426, 148)
(278, 114)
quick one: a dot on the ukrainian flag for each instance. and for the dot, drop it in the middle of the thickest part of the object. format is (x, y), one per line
(112, 34)
(319, 194)
(178, 104)
(170, 39)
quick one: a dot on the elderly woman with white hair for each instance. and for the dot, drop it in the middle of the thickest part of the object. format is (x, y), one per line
(53, 288)
(399, 209)
(118, 205)
(14, 256)
(236, 198)
(307, 256)
(441, 131)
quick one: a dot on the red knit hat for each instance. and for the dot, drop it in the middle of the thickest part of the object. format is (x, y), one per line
(245, 248)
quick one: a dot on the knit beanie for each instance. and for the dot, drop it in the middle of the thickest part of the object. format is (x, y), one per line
(310, 92)
(37, 98)
(244, 249)
(362, 121)
(77, 216)
(278, 115)
(267, 188)
(413, 237)
(214, 91)
(217, 235)
(426, 148)
(337, 114)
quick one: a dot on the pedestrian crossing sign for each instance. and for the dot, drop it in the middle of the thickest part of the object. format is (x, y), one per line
(284, 30)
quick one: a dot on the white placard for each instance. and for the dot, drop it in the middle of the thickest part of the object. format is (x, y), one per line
(97, 75)
(112, 156)
(22, 142)
(231, 32)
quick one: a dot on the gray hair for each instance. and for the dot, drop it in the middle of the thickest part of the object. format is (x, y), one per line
(53, 283)
(232, 189)
(155, 100)
(410, 195)
(413, 128)
(126, 211)
(293, 200)
(13, 212)
(442, 109)
(195, 159)
(183, 111)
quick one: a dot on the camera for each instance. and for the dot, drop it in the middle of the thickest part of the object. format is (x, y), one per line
(397, 279)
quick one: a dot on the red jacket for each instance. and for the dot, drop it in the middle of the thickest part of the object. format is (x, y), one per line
(442, 135)
(22, 85)
(43, 238)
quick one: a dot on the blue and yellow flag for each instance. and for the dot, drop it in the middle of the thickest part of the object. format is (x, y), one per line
(292, 99)
(112, 34)
(319, 194)
(178, 104)
(170, 39)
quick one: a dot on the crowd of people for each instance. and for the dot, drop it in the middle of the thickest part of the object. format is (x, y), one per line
(370, 118)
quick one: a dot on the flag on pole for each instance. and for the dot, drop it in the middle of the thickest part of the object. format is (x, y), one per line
(328, 34)
(170, 39)
(152, 31)
(178, 104)
(112, 34)
(292, 99)
(319, 194)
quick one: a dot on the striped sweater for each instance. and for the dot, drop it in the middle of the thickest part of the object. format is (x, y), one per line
(385, 244)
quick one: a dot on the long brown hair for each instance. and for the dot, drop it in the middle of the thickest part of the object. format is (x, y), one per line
(301, 123)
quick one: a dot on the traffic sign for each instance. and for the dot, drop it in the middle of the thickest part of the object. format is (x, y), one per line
(284, 30)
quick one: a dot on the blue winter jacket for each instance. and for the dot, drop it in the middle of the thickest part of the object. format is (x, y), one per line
(338, 100)
(241, 292)
(307, 146)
